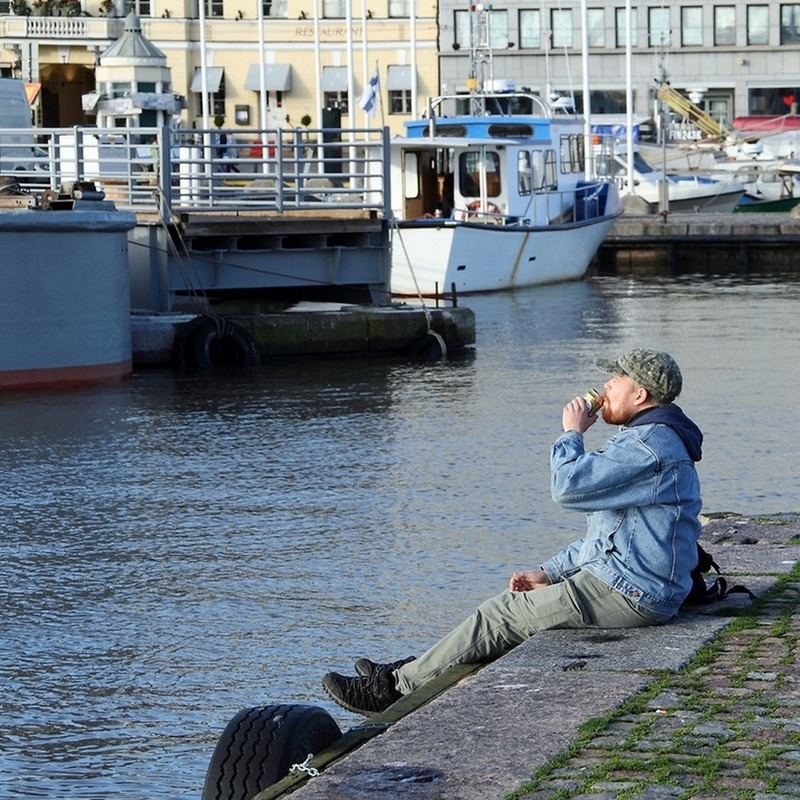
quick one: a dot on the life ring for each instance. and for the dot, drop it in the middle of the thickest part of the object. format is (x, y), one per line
(210, 341)
(474, 209)
(260, 746)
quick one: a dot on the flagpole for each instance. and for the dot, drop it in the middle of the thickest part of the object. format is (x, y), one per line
(318, 67)
(365, 53)
(414, 83)
(380, 94)
(203, 67)
(262, 92)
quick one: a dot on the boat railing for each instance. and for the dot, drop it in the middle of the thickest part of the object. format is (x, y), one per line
(165, 170)
(552, 207)
(489, 104)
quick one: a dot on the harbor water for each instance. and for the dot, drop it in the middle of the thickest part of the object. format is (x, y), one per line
(182, 545)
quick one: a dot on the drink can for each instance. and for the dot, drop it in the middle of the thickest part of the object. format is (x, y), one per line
(594, 400)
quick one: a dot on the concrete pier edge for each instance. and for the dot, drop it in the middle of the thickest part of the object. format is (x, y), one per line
(558, 715)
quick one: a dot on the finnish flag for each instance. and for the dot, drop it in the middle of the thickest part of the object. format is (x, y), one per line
(369, 97)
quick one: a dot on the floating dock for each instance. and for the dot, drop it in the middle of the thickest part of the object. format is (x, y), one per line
(208, 340)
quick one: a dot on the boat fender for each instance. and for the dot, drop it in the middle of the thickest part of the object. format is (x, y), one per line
(261, 745)
(430, 347)
(210, 341)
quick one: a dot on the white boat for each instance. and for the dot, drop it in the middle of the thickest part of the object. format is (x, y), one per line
(488, 193)
(686, 192)
(768, 168)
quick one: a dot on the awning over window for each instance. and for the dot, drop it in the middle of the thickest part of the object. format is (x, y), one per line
(399, 77)
(334, 79)
(277, 77)
(213, 76)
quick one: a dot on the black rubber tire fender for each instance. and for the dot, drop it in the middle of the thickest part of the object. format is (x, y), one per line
(430, 347)
(218, 342)
(261, 744)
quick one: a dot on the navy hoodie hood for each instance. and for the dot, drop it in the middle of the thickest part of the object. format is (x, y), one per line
(672, 415)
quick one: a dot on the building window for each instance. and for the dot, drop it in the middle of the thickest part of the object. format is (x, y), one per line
(213, 8)
(790, 23)
(772, 102)
(596, 29)
(498, 30)
(333, 9)
(399, 101)
(336, 100)
(561, 27)
(605, 102)
(400, 8)
(691, 26)
(757, 24)
(216, 102)
(658, 31)
(724, 25)
(530, 28)
(142, 8)
(490, 29)
(274, 8)
(622, 28)
(5, 6)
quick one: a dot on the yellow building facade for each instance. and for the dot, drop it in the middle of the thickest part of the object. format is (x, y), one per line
(288, 64)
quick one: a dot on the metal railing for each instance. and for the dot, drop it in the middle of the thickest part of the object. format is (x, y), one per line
(165, 170)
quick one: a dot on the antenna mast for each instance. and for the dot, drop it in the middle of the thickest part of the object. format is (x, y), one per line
(481, 66)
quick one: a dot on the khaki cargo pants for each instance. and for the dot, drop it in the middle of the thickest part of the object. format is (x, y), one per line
(503, 621)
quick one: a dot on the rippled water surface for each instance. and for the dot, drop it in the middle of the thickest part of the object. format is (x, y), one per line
(180, 546)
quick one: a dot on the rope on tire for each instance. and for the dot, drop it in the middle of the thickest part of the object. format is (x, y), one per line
(305, 767)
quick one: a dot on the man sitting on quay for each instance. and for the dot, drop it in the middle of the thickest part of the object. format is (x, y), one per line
(641, 494)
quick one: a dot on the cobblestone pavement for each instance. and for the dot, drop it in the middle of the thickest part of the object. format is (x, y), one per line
(726, 726)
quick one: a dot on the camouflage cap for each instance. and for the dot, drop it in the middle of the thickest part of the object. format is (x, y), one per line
(657, 372)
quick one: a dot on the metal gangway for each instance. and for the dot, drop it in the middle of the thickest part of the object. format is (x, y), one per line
(170, 171)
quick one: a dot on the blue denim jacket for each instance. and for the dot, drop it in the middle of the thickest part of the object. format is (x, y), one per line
(642, 497)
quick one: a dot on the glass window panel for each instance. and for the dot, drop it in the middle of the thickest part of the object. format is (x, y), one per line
(757, 24)
(658, 27)
(595, 27)
(530, 28)
(724, 25)
(399, 8)
(622, 27)
(561, 27)
(333, 9)
(790, 23)
(691, 26)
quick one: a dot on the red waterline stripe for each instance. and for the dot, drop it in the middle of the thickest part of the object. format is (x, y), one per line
(63, 377)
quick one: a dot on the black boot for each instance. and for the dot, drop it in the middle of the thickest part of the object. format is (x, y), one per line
(366, 667)
(362, 695)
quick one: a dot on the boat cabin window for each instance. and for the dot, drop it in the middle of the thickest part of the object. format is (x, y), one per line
(469, 174)
(536, 171)
(410, 175)
(524, 173)
(572, 153)
(508, 131)
(543, 170)
(459, 131)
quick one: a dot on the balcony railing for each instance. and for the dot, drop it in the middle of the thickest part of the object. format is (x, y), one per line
(79, 28)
